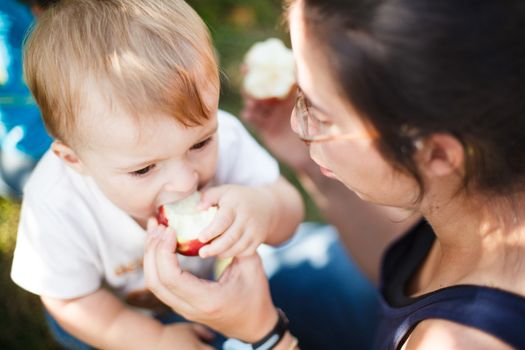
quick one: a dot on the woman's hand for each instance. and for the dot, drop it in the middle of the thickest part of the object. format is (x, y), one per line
(271, 120)
(238, 305)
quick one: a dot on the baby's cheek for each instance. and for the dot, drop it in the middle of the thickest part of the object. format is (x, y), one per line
(208, 167)
(142, 211)
(203, 184)
(205, 178)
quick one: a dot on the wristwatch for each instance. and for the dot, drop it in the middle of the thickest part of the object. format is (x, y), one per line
(270, 340)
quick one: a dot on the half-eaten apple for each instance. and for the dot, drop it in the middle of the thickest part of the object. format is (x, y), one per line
(187, 221)
(269, 70)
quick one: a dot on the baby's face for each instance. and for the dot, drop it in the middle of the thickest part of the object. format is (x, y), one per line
(141, 165)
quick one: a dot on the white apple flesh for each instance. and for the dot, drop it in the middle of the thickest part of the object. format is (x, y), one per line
(269, 70)
(187, 221)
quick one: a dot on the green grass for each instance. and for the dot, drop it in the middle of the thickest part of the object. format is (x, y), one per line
(235, 26)
(21, 319)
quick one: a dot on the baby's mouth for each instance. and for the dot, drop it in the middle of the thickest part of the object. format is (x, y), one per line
(170, 200)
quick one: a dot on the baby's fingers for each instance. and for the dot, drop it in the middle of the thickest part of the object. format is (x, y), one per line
(245, 246)
(222, 221)
(212, 196)
(222, 243)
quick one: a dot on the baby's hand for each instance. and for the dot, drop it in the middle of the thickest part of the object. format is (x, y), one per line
(242, 223)
(184, 336)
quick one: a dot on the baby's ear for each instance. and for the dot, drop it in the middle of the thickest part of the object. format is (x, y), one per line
(68, 155)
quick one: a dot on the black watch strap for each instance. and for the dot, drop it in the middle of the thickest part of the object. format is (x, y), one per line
(273, 338)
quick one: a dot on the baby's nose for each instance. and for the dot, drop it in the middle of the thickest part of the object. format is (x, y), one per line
(184, 181)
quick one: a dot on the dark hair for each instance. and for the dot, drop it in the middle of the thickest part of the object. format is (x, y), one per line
(42, 3)
(417, 67)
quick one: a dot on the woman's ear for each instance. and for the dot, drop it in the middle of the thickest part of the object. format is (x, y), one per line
(440, 155)
(69, 156)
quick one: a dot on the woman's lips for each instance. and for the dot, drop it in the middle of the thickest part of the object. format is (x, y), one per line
(327, 172)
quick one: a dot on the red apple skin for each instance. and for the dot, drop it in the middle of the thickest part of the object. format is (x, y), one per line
(187, 248)
(161, 217)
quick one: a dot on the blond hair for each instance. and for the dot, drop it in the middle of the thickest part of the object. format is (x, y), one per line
(145, 55)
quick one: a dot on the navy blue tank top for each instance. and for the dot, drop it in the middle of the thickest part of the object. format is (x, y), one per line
(491, 310)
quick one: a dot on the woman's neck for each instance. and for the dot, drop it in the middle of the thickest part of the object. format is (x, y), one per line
(475, 238)
(468, 223)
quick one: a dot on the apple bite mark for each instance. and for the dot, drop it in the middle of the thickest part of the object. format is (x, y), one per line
(187, 221)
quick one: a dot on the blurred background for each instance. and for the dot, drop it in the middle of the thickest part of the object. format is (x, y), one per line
(235, 25)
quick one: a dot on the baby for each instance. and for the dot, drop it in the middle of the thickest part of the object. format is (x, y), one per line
(129, 91)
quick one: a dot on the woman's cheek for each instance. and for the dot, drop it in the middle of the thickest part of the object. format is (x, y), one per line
(340, 159)
(353, 166)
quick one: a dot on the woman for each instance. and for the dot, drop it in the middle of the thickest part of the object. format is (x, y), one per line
(415, 104)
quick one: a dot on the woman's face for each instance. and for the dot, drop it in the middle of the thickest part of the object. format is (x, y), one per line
(356, 162)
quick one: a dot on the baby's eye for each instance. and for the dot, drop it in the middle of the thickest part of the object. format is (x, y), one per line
(201, 144)
(143, 171)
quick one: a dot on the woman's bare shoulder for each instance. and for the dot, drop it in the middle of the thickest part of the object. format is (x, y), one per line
(442, 334)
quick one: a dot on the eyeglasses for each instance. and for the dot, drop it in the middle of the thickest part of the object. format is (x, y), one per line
(311, 129)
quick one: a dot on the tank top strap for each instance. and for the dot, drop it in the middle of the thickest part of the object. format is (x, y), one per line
(493, 311)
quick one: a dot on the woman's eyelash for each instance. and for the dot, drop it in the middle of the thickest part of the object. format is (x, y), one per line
(143, 171)
(201, 144)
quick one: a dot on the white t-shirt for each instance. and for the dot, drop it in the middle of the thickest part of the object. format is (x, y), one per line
(72, 239)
